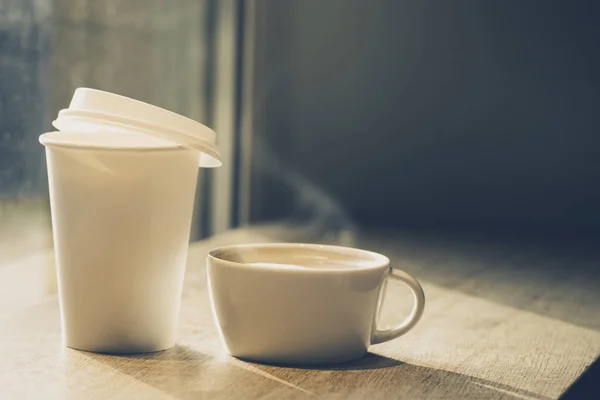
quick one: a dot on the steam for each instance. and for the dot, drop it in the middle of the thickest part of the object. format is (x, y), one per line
(316, 216)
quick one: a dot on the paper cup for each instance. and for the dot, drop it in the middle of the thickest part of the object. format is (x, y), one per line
(121, 214)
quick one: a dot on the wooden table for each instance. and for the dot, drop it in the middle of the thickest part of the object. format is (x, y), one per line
(505, 319)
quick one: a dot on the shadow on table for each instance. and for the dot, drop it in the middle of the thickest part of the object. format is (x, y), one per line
(176, 353)
(183, 372)
(587, 386)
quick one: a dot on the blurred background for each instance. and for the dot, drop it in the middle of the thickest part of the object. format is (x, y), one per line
(333, 116)
(431, 114)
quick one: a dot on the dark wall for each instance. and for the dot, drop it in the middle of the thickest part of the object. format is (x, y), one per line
(439, 112)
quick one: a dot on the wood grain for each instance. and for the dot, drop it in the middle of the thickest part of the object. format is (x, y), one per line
(504, 320)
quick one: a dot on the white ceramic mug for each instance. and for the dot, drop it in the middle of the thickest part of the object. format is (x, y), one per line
(302, 303)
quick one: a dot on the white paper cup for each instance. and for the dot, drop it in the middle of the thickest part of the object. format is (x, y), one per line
(121, 214)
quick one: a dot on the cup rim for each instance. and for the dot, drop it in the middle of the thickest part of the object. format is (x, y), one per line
(378, 260)
(61, 139)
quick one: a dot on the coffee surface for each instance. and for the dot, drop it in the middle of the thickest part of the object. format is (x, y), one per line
(314, 263)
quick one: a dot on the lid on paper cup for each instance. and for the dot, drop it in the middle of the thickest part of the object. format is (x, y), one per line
(91, 109)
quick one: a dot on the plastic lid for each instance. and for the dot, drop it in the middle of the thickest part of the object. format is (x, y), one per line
(92, 109)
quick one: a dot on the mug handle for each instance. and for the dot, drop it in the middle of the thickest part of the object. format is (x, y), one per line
(380, 336)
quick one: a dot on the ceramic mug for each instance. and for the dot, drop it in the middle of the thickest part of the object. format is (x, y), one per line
(302, 303)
